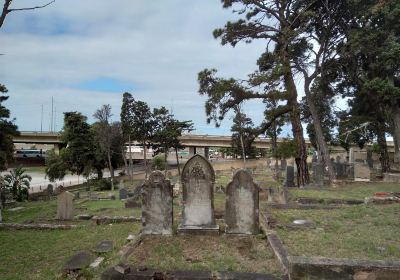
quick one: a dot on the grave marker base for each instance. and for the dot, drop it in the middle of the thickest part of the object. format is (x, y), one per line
(198, 230)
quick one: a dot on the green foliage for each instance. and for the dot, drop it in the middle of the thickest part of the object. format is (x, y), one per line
(102, 185)
(56, 168)
(7, 131)
(243, 130)
(285, 149)
(167, 130)
(18, 183)
(79, 154)
(158, 162)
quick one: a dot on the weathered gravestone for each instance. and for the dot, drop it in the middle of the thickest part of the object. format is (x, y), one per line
(362, 172)
(318, 174)
(123, 193)
(65, 206)
(157, 209)
(289, 180)
(198, 197)
(283, 164)
(241, 207)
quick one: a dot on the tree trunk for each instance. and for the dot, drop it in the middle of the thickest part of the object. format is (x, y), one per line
(166, 161)
(243, 151)
(323, 147)
(110, 167)
(125, 162)
(384, 155)
(177, 162)
(396, 132)
(130, 159)
(303, 176)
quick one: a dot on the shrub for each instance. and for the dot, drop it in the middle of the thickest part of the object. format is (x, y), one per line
(102, 185)
(158, 162)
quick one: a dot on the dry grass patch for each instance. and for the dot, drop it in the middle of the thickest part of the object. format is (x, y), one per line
(213, 253)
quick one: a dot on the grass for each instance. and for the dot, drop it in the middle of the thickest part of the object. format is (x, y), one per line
(360, 231)
(214, 253)
(357, 190)
(32, 254)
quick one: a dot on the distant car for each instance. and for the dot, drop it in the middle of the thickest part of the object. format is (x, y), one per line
(30, 153)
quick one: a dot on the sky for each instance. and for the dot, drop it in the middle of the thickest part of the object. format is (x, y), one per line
(84, 54)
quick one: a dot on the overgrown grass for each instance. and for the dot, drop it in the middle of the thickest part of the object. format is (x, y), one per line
(214, 253)
(362, 231)
(33, 254)
(357, 190)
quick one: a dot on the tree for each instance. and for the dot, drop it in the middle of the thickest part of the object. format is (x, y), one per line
(7, 131)
(280, 23)
(6, 9)
(79, 154)
(18, 183)
(56, 168)
(106, 134)
(142, 126)
(243, 136)
(126, 126)
(370, 60)
(167, 131)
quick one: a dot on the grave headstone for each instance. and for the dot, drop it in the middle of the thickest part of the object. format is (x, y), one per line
(351, 155)
(241, 207)
(289, 180)
(318, 174)
(50, 189)
(362, 172)
(123, 193)
(65, 206)
(198, 197)
(283, 164)
(157, 207)
(370, 161)
(77, 195)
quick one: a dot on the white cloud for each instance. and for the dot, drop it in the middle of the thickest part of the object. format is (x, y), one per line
(158, 46)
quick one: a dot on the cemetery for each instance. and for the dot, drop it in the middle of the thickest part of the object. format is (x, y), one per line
(234, 221)
(200, 140)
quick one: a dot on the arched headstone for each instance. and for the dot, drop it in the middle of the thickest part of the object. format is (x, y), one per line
(241, 206)
(198, 197)
(157, 207)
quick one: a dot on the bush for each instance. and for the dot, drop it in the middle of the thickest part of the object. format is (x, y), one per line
(158, 162)
(102, 185)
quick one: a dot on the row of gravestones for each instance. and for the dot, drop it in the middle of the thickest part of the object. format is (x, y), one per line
(241, 209)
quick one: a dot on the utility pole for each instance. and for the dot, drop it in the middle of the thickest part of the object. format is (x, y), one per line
(51, 118)
(41, 120)
(55, 119)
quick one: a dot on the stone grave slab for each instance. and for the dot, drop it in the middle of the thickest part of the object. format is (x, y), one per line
(65, 206)
(318, 174)
(104, 246)
(79, 261)
(198, 179)
(242, 201)
(157, 207)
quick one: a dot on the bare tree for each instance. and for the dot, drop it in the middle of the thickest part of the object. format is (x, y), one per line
(6, 9)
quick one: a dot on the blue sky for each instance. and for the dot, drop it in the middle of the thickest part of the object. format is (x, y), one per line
(87, 53)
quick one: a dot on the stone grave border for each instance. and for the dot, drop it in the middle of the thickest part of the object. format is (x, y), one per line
(300, 267)
(35, 226)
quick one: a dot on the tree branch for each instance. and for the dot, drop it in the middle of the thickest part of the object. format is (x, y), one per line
(31, 8)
